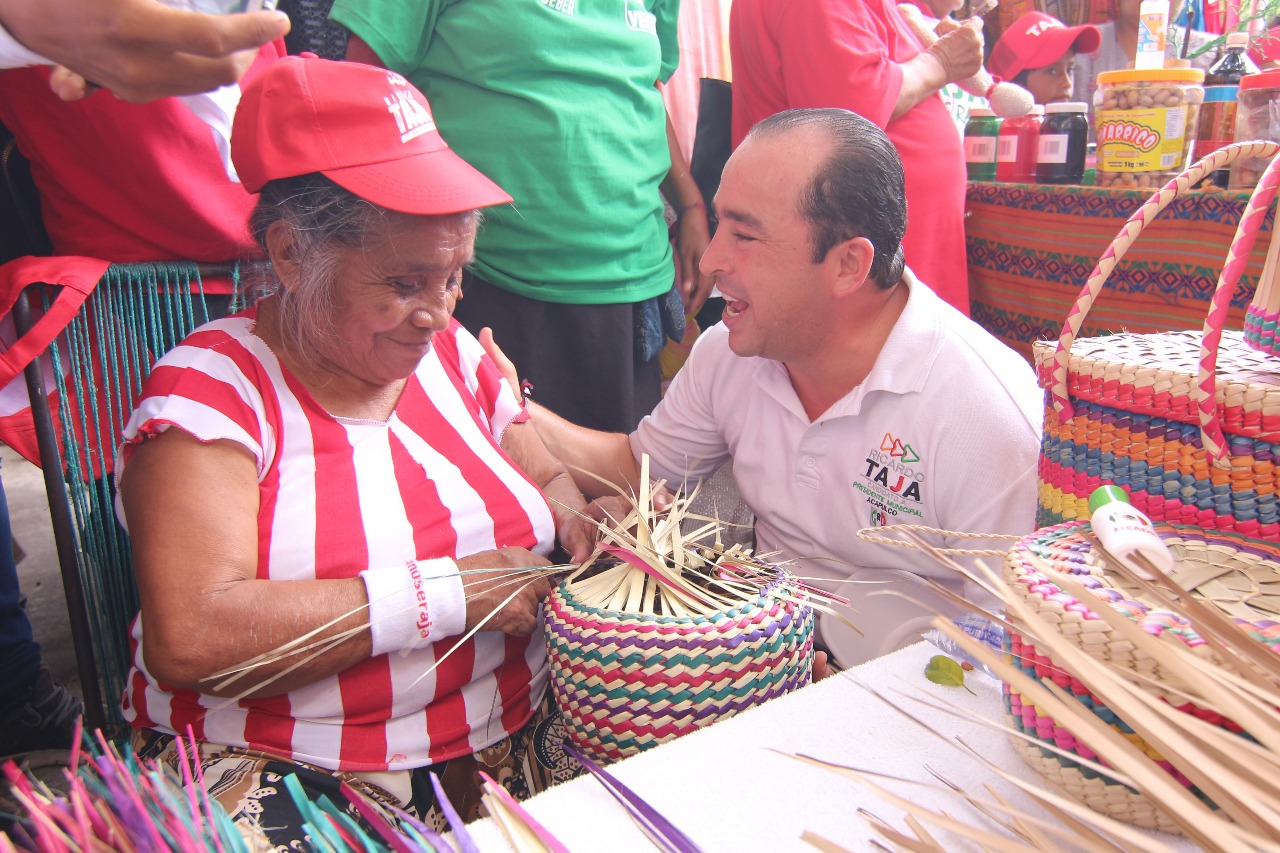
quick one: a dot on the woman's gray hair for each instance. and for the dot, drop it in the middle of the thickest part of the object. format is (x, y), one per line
(326, 223)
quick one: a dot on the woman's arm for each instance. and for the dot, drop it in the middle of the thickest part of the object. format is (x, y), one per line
(577, 535)
(692, 232)
(192, 510)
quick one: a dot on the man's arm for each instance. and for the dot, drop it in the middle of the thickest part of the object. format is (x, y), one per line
(590, 455)
(955, 56)
(601, 463)
(140, 49)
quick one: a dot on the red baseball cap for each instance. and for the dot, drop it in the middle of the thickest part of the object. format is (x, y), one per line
(367, 129)
(1036, 40)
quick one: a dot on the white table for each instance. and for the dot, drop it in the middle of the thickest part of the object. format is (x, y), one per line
(724, 788)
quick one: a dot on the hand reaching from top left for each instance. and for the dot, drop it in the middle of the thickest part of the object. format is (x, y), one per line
(139, 49)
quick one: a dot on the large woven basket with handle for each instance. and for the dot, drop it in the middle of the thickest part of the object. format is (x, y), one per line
(1187, 423)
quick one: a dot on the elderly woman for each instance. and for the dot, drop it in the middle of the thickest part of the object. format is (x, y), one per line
(344, 464)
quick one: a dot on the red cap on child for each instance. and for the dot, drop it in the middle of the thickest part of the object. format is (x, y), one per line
(367, 129)
(1036, 40)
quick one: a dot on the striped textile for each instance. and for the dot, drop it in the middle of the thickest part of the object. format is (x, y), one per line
(1032, 246)
(339, 496)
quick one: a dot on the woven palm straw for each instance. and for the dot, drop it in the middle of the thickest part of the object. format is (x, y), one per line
(1260, 329)
(1186, 422)
(627, 682)
(1238, 574)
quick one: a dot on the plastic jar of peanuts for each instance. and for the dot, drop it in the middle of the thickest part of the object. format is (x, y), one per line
(1257, 117)
(1145, 124)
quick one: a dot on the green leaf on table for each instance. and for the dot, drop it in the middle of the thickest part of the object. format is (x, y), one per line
(943, 670)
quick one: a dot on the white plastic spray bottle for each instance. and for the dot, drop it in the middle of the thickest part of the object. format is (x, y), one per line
(1126, 532)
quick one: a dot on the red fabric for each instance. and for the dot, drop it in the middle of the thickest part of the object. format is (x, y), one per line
(367, 129)
(78, 277)
(847, 53)
(129, 182)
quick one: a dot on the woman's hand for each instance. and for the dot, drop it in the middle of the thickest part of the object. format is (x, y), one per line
(489, 578)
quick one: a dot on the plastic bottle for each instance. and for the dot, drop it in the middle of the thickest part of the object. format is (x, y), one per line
(1018, 145)
(983, 630)
(980, 136)
(1064, 139)
(1217, 125)
(1125, 531)
(1153, 29)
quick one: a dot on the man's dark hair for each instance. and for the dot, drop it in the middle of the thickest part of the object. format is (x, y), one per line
(858, 192)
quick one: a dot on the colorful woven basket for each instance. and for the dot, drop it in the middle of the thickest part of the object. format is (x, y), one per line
(625, 682)
(1238, 574)
(1187, 423)
(1260, 329)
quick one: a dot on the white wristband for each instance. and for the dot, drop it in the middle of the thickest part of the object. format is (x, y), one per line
(414, 605)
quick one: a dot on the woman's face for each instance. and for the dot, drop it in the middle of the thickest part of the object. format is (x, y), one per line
(393, 294)
(1052, 82)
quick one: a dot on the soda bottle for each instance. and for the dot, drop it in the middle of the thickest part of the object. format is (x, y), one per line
(1216, 128)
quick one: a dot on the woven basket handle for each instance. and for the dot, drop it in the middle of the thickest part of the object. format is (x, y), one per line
(1211, 436)
(876, 535)
(1237, 257)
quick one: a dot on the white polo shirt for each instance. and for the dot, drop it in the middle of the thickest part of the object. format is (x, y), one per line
(943, 432)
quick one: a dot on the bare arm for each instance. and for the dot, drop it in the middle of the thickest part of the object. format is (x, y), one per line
(141, 49)
(955, 56)
(204, 609)
(524, 445)
(693, 233)
(590, 455)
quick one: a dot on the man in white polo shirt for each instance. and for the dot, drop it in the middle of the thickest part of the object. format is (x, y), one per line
(846, 393)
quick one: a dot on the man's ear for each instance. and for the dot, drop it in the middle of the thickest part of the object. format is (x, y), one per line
(283, 253)
(852, 264)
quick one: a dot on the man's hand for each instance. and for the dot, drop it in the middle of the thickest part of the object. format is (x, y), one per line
(958, 48)
(486, 590)
(139, 49)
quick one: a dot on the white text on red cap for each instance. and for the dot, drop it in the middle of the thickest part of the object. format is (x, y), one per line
(411, 116)
(1040, 26)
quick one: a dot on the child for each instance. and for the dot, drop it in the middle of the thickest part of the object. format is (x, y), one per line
(1038, 52)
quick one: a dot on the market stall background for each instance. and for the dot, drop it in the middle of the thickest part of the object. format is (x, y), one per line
(1032, 246)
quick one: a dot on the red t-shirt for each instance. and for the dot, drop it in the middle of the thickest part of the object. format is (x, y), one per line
(789, 54)
(129, 182)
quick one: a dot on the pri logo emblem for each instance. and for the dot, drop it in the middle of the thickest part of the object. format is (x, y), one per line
(879, 519)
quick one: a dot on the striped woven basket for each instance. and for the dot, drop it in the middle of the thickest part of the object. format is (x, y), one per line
(1238, 574)
(1187, 423)
(625, 682)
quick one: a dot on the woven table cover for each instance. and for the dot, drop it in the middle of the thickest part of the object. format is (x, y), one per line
(627, 682)
(1031, 245)
(1233, 571)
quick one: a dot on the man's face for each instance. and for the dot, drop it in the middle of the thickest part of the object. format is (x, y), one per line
(761, 256)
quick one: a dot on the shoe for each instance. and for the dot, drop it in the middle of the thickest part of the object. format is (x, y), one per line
(46, 720)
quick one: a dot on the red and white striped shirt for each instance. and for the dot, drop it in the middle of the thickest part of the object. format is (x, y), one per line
(337, 497)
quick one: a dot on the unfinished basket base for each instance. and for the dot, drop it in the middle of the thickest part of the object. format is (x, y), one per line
(1099, 794)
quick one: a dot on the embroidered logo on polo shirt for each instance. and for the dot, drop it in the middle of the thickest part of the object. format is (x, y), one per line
(641, 19)
(890, 485)
(564, 7)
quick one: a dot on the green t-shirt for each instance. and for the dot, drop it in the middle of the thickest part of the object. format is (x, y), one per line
(555, 100)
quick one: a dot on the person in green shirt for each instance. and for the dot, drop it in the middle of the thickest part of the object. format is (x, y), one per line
(557, 100)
